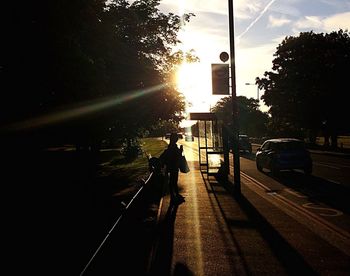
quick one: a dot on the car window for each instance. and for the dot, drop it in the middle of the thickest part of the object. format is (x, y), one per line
(275, 146)
(294, 145)
(266, 146)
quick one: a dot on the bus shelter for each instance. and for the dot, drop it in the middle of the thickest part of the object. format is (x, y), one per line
(211, 143)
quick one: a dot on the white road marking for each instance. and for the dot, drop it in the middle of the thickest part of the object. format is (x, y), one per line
(326, 165)
(331, 212)
(295, 193)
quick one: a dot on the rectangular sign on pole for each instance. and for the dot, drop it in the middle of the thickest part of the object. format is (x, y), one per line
(220, 79)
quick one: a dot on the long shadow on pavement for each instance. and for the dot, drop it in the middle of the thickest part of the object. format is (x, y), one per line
(288, 257)
(162, 261)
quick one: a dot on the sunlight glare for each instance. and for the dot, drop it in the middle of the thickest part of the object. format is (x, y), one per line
(193, 80)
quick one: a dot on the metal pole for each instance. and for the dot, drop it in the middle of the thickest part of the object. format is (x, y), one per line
(235, 146)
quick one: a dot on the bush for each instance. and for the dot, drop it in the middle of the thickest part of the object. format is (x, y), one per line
(131, 148)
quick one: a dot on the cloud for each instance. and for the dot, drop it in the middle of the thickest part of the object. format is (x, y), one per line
(242, 9)
(324, 24)
(286, 8)
(277, 22)
(309, 22)
(195, 6)
(337, 21)
(209, 22)
(246, 10)
(340, 5)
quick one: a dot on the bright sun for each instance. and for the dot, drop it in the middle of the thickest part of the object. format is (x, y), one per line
(194, 83)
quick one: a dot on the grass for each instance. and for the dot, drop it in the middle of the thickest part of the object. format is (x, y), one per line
(114, 165)
(153, 146)
(98, 178)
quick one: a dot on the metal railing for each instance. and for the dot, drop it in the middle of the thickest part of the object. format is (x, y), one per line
(124, 211)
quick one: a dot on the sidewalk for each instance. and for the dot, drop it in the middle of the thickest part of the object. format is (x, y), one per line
(215, 233)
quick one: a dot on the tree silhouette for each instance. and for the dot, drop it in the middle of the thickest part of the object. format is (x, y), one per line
(65, 55)
(305, 89)
(252, 121)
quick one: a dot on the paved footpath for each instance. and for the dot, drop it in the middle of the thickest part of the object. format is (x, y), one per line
(216, 233)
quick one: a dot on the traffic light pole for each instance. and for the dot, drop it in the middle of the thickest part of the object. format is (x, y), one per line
(235, 147)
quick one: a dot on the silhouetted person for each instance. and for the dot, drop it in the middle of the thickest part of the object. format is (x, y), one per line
(171, 159)
(154, 165)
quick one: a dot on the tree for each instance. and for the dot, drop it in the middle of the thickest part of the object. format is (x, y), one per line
(305, 89)
(148, 35)
(73, 55)
(251, 120)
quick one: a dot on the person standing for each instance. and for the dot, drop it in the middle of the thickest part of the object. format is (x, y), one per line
(171, 158)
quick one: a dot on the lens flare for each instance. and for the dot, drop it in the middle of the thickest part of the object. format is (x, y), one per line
(81, 109)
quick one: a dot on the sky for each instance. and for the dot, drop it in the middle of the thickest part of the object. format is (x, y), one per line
(260, 26)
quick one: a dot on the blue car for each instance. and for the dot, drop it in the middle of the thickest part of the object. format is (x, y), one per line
(283, 154)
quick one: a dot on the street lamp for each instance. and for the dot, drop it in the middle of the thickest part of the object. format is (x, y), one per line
(235, 126)
(257, 86)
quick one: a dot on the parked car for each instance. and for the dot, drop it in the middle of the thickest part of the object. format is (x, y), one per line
(244, 143)
(283, 154)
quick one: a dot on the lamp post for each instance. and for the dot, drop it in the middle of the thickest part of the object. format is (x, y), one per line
(257, 90)
(235, 126)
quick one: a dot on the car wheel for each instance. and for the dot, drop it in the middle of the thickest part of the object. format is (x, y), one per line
(259, 167)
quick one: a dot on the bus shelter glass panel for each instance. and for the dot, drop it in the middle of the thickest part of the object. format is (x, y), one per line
(202, 142)
(203, 157)
(201, 133)
(214, 146)
(217, 135)
(214, 135)
(209, 133)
